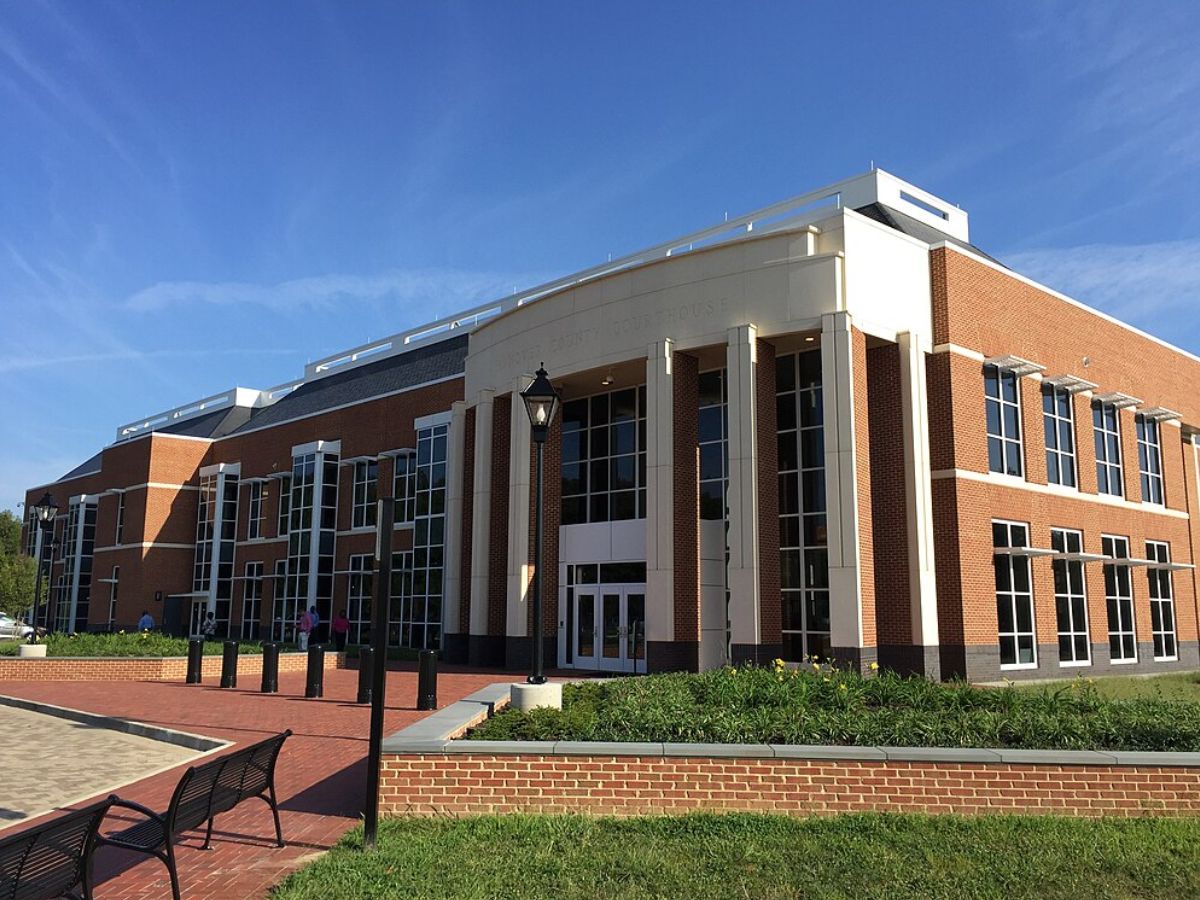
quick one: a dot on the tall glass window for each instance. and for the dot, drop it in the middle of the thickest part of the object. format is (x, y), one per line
(114, 586)
(285, 506)
(1003, 401)
(252, 591)
(1014, 597)
(1059, 421)
(31, 530)
(1162, 601)
(216, 540)
(119, 534)
(366, 481)
(79, 544)
(604, 457)
(803, 543)
(421, 601)
(254, 525)
(312, 533)
(1149, 441)
(358, 597)
(1118, 597)
(1070, 600)
(404, 487)
(714, 444)
(1106, 427)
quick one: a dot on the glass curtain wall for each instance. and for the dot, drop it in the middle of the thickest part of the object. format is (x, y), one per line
(79, 543)
(216, 540)
(312, 534)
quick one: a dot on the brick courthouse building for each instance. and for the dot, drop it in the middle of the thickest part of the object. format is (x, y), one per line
(832, 427)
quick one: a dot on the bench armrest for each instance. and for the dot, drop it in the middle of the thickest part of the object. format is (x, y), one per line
(136, 807)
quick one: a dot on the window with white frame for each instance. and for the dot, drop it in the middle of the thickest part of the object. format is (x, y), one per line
(1106, 427)
(31, 530)
(1162, 601)
(252, 591)
(1149, 441)
(366, 481)
(114, 584)
(404, 487)
(1059, 421)
(714, 444)
(119, 535)
(279, 628)
(285, 506)
(1118, 598)
(254, 525)
(604, 457)
(358, 597)
(1070, 599)
(1002, 397)
(1014, 597)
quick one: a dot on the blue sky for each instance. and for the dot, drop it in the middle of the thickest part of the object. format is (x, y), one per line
(199, 195)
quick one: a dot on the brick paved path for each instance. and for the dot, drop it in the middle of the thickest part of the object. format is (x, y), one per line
(320, 779)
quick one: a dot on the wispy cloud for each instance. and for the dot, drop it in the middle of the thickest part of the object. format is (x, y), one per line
(1154, 286)
(31, 362)
(441, 291)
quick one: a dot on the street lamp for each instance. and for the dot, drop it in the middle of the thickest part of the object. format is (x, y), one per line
(541, 403)
(45, 511)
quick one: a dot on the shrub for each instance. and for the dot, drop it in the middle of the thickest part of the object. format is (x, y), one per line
(820, 705)
(146, 643)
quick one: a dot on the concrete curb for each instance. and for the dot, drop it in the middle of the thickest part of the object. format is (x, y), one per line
(153, 732)
(436, 735)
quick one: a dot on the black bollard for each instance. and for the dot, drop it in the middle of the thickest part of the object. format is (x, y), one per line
(427, 679)
(366, 661)
(270, 668)
(195, 665)
(315, 686)
(229, 657)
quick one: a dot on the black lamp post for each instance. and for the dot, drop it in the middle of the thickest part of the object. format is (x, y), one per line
(541, 402)
(46, 510)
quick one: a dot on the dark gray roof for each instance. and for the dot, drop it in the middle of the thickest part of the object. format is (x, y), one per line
(441, 360)
(210, 425)
(88, 467)
(914, 228)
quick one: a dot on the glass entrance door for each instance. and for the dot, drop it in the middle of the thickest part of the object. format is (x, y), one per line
(196, 617)
(610, 628)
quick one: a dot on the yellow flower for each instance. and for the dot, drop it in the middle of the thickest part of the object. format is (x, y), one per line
(826, 679)
(841, 687)
(122, 631)
(732, 671)
(874, 667)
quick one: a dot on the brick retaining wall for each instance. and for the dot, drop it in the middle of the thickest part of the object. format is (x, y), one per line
(168, 668)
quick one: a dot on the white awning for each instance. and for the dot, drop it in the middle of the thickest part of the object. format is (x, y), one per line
(1160, 413)
(1014, 364)
(1118, 399)
(1024, 551)
(1081, 557)
(1072, 384)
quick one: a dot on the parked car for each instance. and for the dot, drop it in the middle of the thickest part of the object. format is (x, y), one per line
(12, 628)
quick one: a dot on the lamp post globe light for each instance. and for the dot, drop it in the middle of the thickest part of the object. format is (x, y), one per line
(46, 509)
(541, 403)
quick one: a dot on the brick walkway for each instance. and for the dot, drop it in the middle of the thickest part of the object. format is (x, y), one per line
(320, 780)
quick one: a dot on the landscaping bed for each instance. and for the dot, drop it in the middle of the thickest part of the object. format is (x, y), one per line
(132, 644)
(737, 855)
(820, 705)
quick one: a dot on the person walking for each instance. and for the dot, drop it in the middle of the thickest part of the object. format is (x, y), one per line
(303, 630)
(316, 623)
(208, 629)
(341, 628)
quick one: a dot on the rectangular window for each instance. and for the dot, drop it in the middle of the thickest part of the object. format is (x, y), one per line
(285, 506)
(278, 590)
(421, 603)
(714, 444)
(366, 481)
(252, 591)
(404, 488)
(604, 457)
(1149, 441)
(803, 543)
(362, 580)
(1118, 597)
(1070, 600)
(119, 536)
(31, 530)
(1162, 601)
(1003, 401)
(1014, 597)
(114, 584)
(1106, 426)
(254, 527)
(1059, 422)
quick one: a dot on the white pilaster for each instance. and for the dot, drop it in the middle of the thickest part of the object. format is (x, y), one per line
(519, 462)
(918, 493)
(660, 493)
(743, 571)
(481, 512)
(841, 486)
(452, 578)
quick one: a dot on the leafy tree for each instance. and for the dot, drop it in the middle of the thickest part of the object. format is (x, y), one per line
(18, 573)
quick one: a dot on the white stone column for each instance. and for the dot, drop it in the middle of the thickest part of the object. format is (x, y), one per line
(743, 570)
(519, 463)
(481, 512)
(660, 493)
(918, 493)
(452, 578)
(841, 485)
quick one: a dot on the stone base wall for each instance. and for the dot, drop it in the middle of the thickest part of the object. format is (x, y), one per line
(462, 783)
(168, 668)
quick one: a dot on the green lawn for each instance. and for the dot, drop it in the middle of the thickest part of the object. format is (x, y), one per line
(740, 856)
(1182, 686)
(129, 644)
(820, 705)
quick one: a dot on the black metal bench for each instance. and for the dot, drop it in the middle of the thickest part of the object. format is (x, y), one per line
(49, 860)
(204, 792)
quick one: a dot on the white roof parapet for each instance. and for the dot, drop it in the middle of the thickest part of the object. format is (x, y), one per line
(1014, 364)
(1072, 384)
(1118, 399)
(1160, 413)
